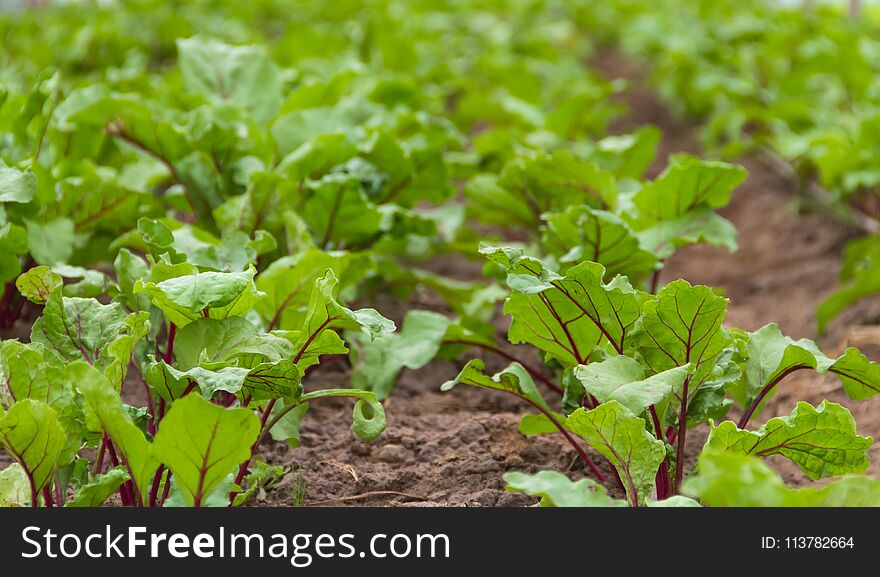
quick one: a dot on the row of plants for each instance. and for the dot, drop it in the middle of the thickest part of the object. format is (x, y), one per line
(796, 81)
(188, 220)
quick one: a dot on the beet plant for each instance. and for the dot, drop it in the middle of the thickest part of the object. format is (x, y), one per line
(639, 370)
(216, 380)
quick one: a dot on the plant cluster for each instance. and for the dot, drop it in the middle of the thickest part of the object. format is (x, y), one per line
(796, 81)
(190, 223)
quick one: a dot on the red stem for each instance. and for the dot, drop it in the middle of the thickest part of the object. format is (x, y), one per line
(154, 490)
(242, 470)
(682, 436)
(744, 421)
(169, 348)
(662, 479)
(571, 441)
(655, 281)
(99, 462)
(126, 493)
(58, 498)
(47, 497)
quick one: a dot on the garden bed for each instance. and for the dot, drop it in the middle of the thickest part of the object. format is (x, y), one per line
(451, 450)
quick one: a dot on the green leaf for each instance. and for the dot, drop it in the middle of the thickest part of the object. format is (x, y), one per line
(737, 480)
(821, 440)
(129, 269)
(368, 415)
(37, 284)
(683, 326)
(326, 314)
(582, 233)
(549, 183)
(772, 356)
(16, 186)
(183, 299)
(539, 424)
(85, 329)
(674, 501)
(860, 377)
(51, 242)
(15, 490)
(13, 244)
(859, 276)
(687, 184)
(514, 379)
(339, 213)
(105, 412)
(260, 479)
(99, 489)
(629, 155)
(380, 361)
(622, 379)
(288, 284)
(202, 442)
(566, 317)
(241, 75)
(710, 401)
(287, 428)
(233, 341)
(32, 372)
(557, 490)
(696, 227)
(622, 438)
(91, 283)
(31, 433)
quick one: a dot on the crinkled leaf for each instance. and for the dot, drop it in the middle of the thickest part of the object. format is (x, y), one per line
(234, 341)
(683, 326)
(31, 433)
(15, 490)
(557, 490)
(99, 489)
(79, 329)
(184, 299)
(821, 440)
(737, 480)
(687, 183)
(622, 379)
(566, 317)
(276, 380)
(37, 284)
(622, 438)
(583, 233)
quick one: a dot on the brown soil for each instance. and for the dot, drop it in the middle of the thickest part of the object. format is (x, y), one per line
(451, 449)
